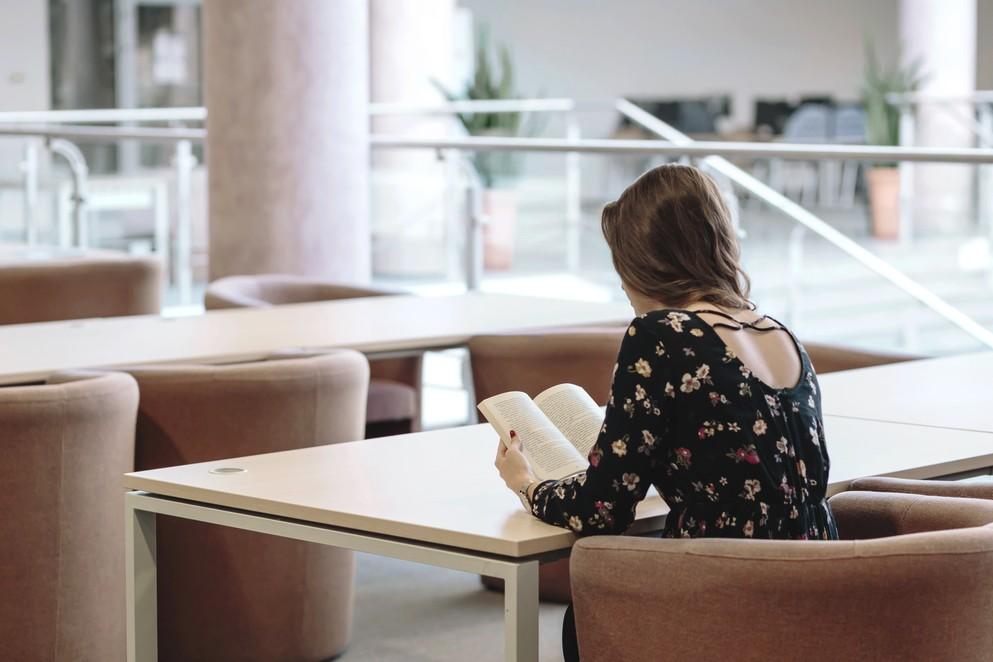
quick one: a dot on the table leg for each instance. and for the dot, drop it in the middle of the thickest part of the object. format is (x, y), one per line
(142, 620)
(520, 604)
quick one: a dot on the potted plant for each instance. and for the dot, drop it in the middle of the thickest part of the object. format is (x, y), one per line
(496, 169)
(883, 129)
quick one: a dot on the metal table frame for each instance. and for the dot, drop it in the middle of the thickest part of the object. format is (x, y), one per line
(520, 575)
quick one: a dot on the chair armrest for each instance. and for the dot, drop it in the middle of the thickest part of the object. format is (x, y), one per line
(866, 515)
(946, 488)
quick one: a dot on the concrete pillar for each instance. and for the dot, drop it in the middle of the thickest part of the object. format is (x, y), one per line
(941, 34)
(412, 46)
(398, 28)
(288, 137)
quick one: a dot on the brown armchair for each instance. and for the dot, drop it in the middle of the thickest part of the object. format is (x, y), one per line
(532, 362)
(982, 489)
(65, 447)
(63, 289)
(394, 390)
(834, 358)
(228, 594)
(922, 594)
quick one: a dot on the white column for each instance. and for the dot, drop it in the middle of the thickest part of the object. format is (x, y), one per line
(941, 34)
(288, 137)
(412, 46)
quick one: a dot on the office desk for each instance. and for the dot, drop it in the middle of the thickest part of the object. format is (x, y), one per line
(469, 521)
(950, 392)
(24, 255)
(375, 325)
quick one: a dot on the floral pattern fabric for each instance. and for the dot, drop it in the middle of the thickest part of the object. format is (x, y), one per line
(731, 456)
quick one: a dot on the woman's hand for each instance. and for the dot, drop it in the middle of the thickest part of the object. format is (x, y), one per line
(512, 465)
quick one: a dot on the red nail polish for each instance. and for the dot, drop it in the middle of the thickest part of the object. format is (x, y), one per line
(513, 434)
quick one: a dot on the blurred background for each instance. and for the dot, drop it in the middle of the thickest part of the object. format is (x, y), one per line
(329, 139)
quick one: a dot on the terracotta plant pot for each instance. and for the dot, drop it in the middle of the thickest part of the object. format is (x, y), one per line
(884, 202)
(500, 211)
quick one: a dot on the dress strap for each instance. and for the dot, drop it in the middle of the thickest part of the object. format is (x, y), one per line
(738, 324)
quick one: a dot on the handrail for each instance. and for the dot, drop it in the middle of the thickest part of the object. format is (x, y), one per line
(551, 105)
(101, 133)
(778, 201)
(490, 106)
(693, 148)
(586, 146)
(199, 113)
(903, 98)
(185, 114)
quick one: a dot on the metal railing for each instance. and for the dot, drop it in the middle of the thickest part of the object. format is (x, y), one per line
(690, 148)
(673, 143)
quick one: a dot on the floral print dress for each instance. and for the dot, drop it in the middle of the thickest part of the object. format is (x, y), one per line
(731, 456)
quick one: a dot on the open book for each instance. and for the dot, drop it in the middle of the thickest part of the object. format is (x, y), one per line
(558, 428)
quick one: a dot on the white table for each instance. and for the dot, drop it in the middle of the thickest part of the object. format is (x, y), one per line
(468, 522)
(374, 325)
(24, 255)
(950, 392)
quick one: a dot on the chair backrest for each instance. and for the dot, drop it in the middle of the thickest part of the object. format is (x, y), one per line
(849, 125)
(809, 123)
(978, 489)
(198, 413)
(923, 596)
(62, 289)
(64, 449)
(833, 358)
(297, 602)
(532, 362)
(865, 515)
(274, 289)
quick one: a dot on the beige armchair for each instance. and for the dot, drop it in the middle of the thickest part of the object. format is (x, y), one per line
(394, 391)
(924, 593)
(226, 594)
(981, 489)
(532, 362)
(64, 448)
(62, 289)
(834, 358)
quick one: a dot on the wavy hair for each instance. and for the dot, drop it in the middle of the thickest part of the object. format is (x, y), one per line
(671, 239)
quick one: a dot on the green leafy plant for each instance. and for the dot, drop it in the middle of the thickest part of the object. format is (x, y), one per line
(882, 117)
(490, 82)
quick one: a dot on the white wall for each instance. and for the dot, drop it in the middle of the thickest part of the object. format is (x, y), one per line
(748, 48)
(24, 68)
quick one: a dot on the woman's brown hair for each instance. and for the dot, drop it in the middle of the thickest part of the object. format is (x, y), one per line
(672, 240)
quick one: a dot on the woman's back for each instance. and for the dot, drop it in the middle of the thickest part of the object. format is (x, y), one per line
(762, 344)
(749, 457)
(732, 455)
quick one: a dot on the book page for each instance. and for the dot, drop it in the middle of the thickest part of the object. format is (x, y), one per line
(571, 409)
(551, 455)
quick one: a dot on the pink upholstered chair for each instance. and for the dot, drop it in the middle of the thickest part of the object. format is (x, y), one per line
(394, 391)
(979, 489)
(920, 588)
(63, 450)
(834, 358)
(532, 362)
(62, 289)
(226, 594)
